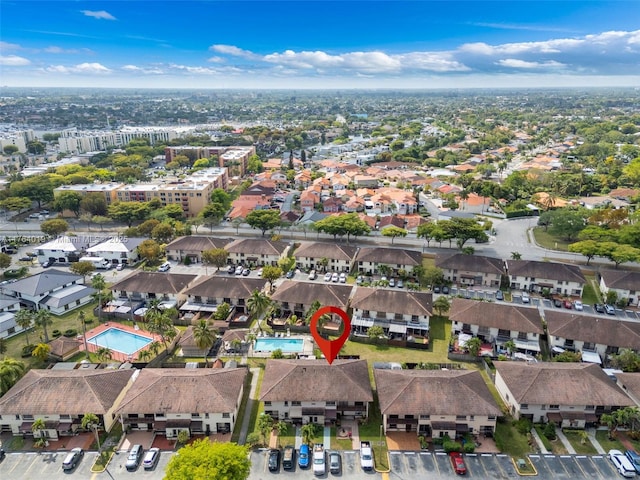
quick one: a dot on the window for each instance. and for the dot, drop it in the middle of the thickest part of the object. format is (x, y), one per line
(461, 417)
(425, 417)
(267, 404)
(589, 407)
(331, 403)
(554, 407)
(295, 403)
(226, 415)
(195, 415)
(524, 406)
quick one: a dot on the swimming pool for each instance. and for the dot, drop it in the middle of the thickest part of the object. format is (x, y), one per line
(286, 345)
(120, 341)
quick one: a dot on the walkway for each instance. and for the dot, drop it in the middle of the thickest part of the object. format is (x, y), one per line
(327, 438)
(536, 437)
(251, 403)
(592, 437)
(565, 441)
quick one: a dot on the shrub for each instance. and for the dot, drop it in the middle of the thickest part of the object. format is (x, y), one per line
(56, 333)
(469, 447)
(16, 272)
(88, 320)
(550, 431)
(71, 332)
(523, 426)
(438, 440)
(27, 350)
(452, 446)
(187, 260)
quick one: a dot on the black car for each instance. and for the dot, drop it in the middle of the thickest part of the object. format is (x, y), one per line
(557, 303)
(2, 454)
(598, 307)
(274, 460)
(445, 290)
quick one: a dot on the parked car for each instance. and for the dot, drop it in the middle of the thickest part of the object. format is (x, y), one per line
(164, 267)
(25, 259)
(151, 458)
(239, 270)
(312, 275)
(457, 462)
(46, 264)
(359, 279)
(303, 457)
(598, 307)
(634, 458)
(400, 284)
(231, 270)
(577, 304)
(568, 304)
(259, 272)
(609, 309)
(134, 458)
(334, 463)
(525, 297)
(392, 282)
(72, 459)
(335, 277)
(327, 277)
(436, 289)
(290, 274)
(2, 454)
(557, 303)
(343, 278)
(499, 295)
(445, 290)
(246, 272)
(274, 460)
(622, 463)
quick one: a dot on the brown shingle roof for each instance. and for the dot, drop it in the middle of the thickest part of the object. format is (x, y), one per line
(471, 263)
(256, 246)
(630, 382)
(50, 392)
(392, 301)
(62, 346)
(331, 251)
(194, 243)
(392, 256)
(586, 328)
(542, 270)
(316, 380)
(621, 279)
(306, 293)
(154, 282)
(177, 390)
(434, 392)
(228, 287)
(486, 314)
(557, 383)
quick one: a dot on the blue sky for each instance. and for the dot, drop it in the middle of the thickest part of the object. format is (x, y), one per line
(319, 44)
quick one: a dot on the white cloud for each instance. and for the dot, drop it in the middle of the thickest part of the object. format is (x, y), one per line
(216, 60)
(59, 50)
(13, 61)
(515, 63)
(82, 68)
(6, 46)
(100, 15)
(233, 51)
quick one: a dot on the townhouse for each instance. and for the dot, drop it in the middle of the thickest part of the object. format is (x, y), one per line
(471, 270)
(324, 256)
(370, 259)
(118, 250)
(256, 252)
(62, 250)
(296, 298)
(146, 286)
(534, 276)
(626, 284)
(192, 246)
(206, 295)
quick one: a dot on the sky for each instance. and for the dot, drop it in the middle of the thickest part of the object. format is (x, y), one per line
(324, 44)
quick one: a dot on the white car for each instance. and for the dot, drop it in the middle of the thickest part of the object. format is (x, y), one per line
(343, 278)
(577, 305)
(239, 270)
(335, 277)
(327, 277)
(525, 297)
(622, 463)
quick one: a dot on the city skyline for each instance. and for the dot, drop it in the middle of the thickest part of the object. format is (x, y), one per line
(311, 44)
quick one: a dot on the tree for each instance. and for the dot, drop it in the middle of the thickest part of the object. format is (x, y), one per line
(5, 260)
(212, 214)
(282, 428)
(129, 212)
(216, 257)
(473, 346)
(83, 268)
(567, 223)
(11, 370)
(37, 188)
(204, 460)
(146, 227)
(99, 284)
(441, 305)
(94, 203)
(221, 197)
(10, 149)
(149, 250)
(68, 201)
(271, 274)
(24, 319)
(43, 319)
(588, 248)
(622, 254)
(375, 332)
(265, 425)
(41, 352)
(90, 421)
(37, 428)
(309, 432)
(510, 345)
(432, 276)
(101, 220)
(627, 360)
(54, 227)
(162, 232)
(258, 303)
(204, 337)
(263, 219)
(394, 232)
(16, 204)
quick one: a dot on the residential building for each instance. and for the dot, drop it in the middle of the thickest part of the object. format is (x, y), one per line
(497, 323)
(399, 312)
(8, 307)
(192, 246)
(61, 398)
(596, 337)
(471, 270)
(213, 291)
(370, 259)
(169, 400)
(435, 403)
(108, 190)
(256, 251)
(629, 382)
(235, 158)
(572, 395)
(626, 284)
(53, 290)
(296, 298)
(62, 250)
(314, 255)
(117, 250)
(153, 286)
(312, 391)
(535, 276)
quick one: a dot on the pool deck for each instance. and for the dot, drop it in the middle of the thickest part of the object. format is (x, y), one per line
(115, 354)
(307, 346)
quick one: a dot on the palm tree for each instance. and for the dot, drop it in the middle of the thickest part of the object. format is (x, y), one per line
(144, 355)
(43, 319)
(90, 421)
(510, 345)
(104, 354)
(154, 347)
(309, 432)
(204, 337)
(10, 372)
(82, 318)
(265, 425)
(281, 429)
(258, 303)
(24, 318)
(99, 284)
(473, 346)
(441, 305)
(41, 352)
(37, 428)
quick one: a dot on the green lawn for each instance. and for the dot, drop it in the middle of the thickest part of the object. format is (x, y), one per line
(603, 439)
(576, 440)
(371, 431)
(242, 410)
(340, 443)
(288, 438)
(510, 441)
(590, 293)
(551, 242)
(545, 441)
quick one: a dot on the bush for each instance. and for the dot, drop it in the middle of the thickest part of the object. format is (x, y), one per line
(56, 333)
(469, 447)
(27, 350)
(438, 440)
(16, 272)
(71, 332)
(550, 431)
(187, 260)
(89, 320)
(452, 446)
(523, 426)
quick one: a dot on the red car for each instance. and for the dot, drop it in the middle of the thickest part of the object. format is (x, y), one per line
(458, 463)
(568, 304)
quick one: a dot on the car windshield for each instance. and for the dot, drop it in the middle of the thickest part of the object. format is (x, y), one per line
(318, 461)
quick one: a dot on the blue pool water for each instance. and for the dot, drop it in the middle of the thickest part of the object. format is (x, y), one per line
(120, 341)
(286, 345)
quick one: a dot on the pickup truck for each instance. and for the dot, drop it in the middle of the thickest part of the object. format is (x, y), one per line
(366, 456)
(319, 467)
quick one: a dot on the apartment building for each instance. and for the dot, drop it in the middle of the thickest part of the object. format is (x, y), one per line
(109, 190)
(236, 159)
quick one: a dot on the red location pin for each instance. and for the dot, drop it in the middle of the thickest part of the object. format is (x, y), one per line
(330, 348)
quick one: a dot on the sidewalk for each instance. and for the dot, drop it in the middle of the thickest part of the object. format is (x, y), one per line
(536, 437)
(251, 402)
(565, 441)
(592, 437)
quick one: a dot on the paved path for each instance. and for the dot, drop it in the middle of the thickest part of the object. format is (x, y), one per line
(298, 437)
(592, 437)
(327, 438)
(536, 437)
(251, 401)
(565, 441)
